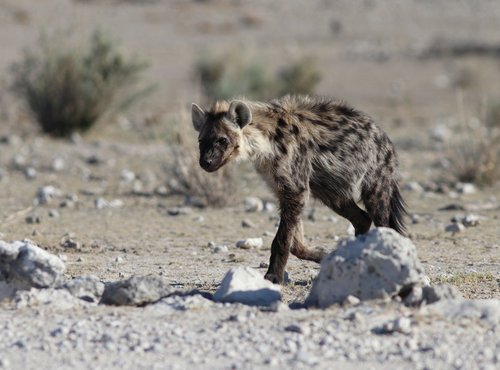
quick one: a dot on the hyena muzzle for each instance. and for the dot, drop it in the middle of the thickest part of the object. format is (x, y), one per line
(302, 145)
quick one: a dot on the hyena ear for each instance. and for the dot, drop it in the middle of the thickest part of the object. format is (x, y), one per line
(197, 116)
(239, 113)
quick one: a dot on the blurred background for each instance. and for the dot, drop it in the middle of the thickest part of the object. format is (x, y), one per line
(99, 161)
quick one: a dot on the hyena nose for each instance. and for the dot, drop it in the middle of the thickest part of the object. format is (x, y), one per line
(205, 162)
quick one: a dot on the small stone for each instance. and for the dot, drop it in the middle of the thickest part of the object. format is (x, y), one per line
(263, 265)
(253, 204)
(57, 164)
(269, 207)
(29, 265)
(45, 194)
(136, 291)
(53, 213)
(30, 173)
(351, 300)
(177, 211)
(432, 294)
(250, 243)
(101, 203)
(69, 243)
(296, 328)
(414, 187)
(247, 286)
(89, 288)
(127, 176)
(470, 220)
(465, 188)
(311, 216)
(455, 228)
(221, 249)
(161, 190)
(33, 219)
(247, 223)
(402, 325)
(118, 259)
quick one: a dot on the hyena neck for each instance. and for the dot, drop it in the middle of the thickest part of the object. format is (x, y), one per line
(256, 145)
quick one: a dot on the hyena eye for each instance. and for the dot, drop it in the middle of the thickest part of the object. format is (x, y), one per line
(222, 141)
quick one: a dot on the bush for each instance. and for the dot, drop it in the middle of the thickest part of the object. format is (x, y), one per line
(474, 153)
(68, 90)
(229, 76)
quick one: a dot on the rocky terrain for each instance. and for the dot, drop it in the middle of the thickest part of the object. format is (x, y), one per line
(112, 270)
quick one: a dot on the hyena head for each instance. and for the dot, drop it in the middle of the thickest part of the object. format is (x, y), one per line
(220, 132)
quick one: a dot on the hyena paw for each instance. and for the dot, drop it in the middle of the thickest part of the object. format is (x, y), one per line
(274, 278)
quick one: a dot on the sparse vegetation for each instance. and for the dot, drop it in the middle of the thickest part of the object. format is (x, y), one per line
(230, 76)
(474, 151)
(470, 284)
(69, 90)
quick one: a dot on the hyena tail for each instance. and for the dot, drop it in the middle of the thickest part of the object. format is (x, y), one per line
(398, 211)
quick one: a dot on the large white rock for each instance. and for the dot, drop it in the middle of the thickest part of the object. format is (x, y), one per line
(379, 264)
(246, 285)
(25, 265)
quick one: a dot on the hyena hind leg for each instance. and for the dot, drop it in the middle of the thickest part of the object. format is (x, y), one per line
(301, 251)
(350, 210)
(386, 207)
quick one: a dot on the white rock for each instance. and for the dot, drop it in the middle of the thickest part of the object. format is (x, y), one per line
(250, 243)
(30, 173)
(253, 204)
(470, 220)
(27, 265)
(246, 285)
(414, 186)
(127, 176)
(101, 203)
(440, 133)
(454, 227)
(378, 264)
(465, 188)
(46, 193)
(58, 164)
(89, 288)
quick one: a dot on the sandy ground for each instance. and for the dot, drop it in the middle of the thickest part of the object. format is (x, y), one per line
(371, 62)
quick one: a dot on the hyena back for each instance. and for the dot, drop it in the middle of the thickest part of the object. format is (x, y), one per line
(303, 145)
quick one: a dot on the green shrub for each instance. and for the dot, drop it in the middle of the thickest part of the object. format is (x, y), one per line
(230, 76)
(69, 90)
(299, 78)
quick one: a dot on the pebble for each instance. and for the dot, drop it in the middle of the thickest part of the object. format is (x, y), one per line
(465, 188)
(53, 213)
(127, 176)
(220, 249)
(253, 204)
(45, 194)
(351, 300)
(33, 219)
(454, 228)
(296, 328)
(58, 164)
(247, 223)
(101, 203)
(177, 211)
(250, 243)
(30, 173)
(70, 243)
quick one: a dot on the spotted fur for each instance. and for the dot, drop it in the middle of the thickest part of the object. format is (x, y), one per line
(302, 145)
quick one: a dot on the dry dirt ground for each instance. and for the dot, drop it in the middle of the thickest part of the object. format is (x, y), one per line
(368, 54)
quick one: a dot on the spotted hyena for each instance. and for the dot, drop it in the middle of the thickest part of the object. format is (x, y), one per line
(305, 145)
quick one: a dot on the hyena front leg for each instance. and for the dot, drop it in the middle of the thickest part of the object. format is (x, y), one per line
(291, 205)
(301, 251)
